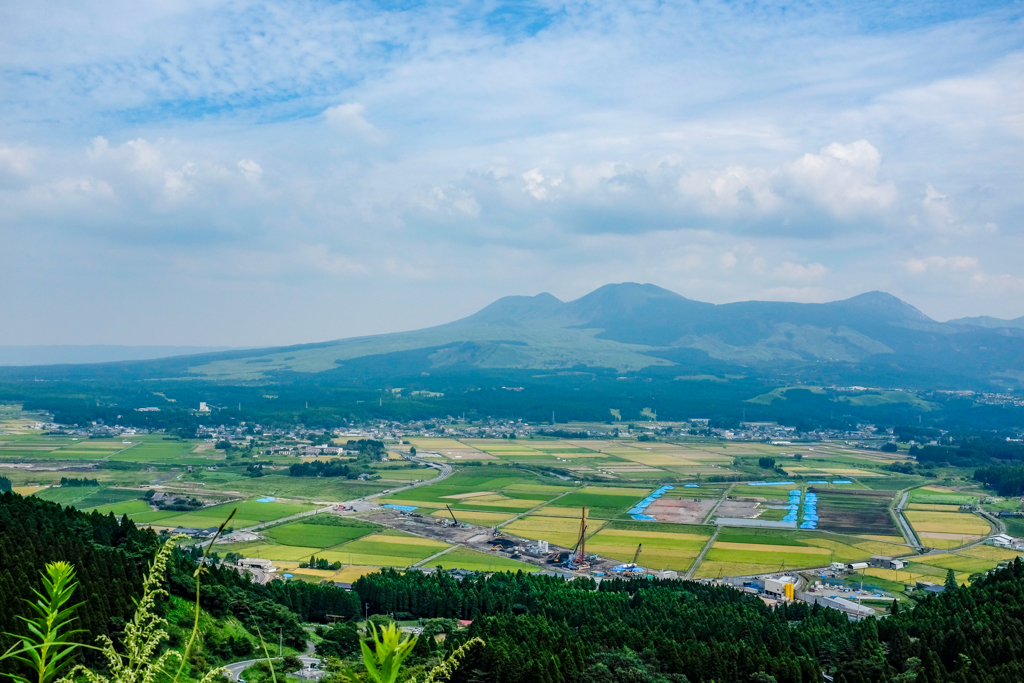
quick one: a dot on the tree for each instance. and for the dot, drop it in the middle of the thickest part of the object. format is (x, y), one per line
(766, 463)
(889, 447)
(951, 579)
(5, 485)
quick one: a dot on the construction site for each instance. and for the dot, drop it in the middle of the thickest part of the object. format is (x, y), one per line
(493, 540)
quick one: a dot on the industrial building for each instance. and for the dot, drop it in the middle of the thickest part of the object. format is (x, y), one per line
(886, 562)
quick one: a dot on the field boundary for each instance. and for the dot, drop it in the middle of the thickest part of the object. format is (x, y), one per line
(436, 555)
(697, 561)
(725, 494)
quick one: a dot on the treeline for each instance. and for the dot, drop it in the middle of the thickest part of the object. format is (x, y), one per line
(1007, 480)
(972, 451)
(110, 557)
(5, 485)
(543, 629)
(64, 481)
(325, 468)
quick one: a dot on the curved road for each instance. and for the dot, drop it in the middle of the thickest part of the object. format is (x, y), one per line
(445, 472)
(235, 669)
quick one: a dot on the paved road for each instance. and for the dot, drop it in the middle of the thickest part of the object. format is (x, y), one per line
(700, 558)
(234, 670)
(445, 472)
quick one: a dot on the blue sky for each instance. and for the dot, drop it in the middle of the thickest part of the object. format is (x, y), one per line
(248, 173)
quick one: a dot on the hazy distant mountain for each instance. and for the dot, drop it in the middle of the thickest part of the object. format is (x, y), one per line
(989, 322)
(71, 354)
(630, 327)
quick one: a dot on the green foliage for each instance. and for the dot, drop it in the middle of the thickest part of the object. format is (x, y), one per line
(143, 661)
(391, 648)
(5, 485)
(47, 650)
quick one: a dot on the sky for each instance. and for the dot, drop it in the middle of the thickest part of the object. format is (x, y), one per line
(225, 172)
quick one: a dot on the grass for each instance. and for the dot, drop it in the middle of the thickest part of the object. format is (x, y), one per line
(249, 514)
(940, 495)
(320, 535)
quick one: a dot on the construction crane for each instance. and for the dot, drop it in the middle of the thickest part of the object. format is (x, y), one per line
(578, 558)
(452, 514)
(633, 567)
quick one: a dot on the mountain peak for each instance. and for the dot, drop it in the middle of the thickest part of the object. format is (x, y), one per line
(885, 304)
(513, 310)
(617, 299)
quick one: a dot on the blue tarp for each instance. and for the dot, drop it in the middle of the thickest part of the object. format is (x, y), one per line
(842, 481)
(771, 483)
(817, 482)
(691, 486)
(265, 500)
(644, 518)
(403, 508)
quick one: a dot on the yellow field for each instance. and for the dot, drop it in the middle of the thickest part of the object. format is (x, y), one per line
(438, 444)
(655, 459)
(27, 490)
(352, 572)
(764, 548)
(402, 540)
(877, 548)
(988, 552)
(478, 518)
(559, 531)
(661, 550)
(551, 511)
(498, 500)
(946, 541)
(947, 522)
(473, 494)
(933, 507)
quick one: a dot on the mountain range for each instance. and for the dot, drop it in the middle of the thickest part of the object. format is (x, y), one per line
(629, 327)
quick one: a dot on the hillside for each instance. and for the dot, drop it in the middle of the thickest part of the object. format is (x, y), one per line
(632, 326)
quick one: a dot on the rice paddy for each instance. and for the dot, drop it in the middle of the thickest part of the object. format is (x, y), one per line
(561, 531)
(660, 549)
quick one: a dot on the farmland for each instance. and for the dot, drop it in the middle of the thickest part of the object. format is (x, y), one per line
(855, 511)
(669, 546)
(755, 551)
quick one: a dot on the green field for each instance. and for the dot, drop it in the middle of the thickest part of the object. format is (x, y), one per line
(320, 535)
(249, 514)
(128, 507)
(388, 549)
(660, 549)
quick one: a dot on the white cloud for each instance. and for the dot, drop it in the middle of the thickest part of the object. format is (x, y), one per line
(15, 161)
(843, 180)
(728, 259)
(796, 271)
(349, 117)
(250, 170)
(940, 263)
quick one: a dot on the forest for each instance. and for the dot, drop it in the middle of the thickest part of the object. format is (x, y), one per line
(535, 628)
